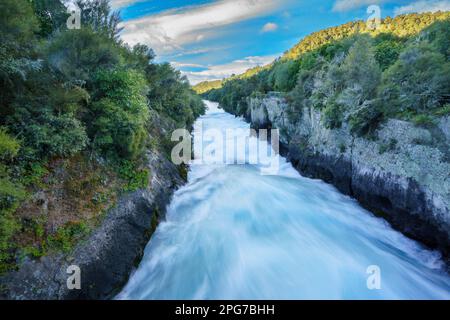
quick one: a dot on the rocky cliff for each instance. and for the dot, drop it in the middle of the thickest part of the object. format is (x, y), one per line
(107, 258)
(402, 172)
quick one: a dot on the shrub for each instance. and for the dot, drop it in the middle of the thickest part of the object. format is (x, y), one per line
(423, 120)
(333, 116)
(8, 146)
(50, 135)
(418, 81)
(444, 111)
(118, 116)
(134, 178)
(11, 194)
(67, 236)
(387, 53)
(365, 119)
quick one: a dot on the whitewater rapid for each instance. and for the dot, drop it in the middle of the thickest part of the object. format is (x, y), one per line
(233, 233)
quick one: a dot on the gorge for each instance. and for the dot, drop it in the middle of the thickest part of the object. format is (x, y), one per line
(305, 239)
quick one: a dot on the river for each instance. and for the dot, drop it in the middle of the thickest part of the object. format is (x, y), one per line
(233, 233)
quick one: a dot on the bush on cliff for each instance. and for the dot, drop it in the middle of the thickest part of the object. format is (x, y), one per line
(419, 81)
(11, 193)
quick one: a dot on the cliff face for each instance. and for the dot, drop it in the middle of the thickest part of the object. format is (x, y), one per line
(402, 173)
(108, 256)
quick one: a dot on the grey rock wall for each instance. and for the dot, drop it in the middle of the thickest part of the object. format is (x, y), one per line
(402, 174)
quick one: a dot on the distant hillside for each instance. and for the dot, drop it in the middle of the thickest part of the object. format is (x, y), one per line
(205, 86)
(400, 26)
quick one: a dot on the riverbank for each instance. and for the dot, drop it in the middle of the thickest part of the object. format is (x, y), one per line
(400, 173)
(108, 256)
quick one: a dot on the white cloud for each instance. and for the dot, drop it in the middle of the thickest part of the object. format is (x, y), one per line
(226, 70)
(170, 30)
(116, 4)
(346, 5)
(424, 6)
(178, 65)
(269, 27)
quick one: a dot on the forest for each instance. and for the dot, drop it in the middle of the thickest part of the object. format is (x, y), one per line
(356, 75)
(78, 111)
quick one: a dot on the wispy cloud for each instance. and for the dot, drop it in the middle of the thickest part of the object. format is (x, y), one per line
(226, 70)
(346, 5)
(115, 4)
(179, 65)
(269, 27)
(424, 6)
(170, 30)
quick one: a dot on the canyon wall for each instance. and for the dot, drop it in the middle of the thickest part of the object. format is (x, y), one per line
(109, 255)
(402, 172)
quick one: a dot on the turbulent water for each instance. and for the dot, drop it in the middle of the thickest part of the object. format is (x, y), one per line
(233, 233)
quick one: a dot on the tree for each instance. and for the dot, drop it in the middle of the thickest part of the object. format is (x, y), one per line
(417, 82)
(17, 28)
(360, 69)
(51, 14)
(76, 54)
(97, 14)
(118, 114)
(387, 52)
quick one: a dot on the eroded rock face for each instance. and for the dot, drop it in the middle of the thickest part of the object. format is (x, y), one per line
(107, 258)
(402, 174)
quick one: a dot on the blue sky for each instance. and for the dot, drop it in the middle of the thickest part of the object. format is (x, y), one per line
(212, 39)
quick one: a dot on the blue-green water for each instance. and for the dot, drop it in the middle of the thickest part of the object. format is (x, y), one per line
(232, 233)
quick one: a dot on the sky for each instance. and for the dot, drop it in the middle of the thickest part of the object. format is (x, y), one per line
(213, 39)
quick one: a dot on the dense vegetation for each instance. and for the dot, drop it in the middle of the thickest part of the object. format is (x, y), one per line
(402, 70)
(78, 109)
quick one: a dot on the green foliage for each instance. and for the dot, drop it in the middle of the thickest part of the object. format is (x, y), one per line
(333, 115)
(418, 81)
(51, 14)
(17, 28)
(100, 18)
(76, 94)
(401, 26)
(366, 118)
(18, 23)
(284, 75)
(134, 178)
(33, 174)
(117, 118)
(423, 120)
(8, 146)
(387, 50)
(444, 111)
(78, 54)
(170, 94)
(206, 86)
(56, 135)
(11, 193)
(438, 35)
(360, 69)
(65, 238)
